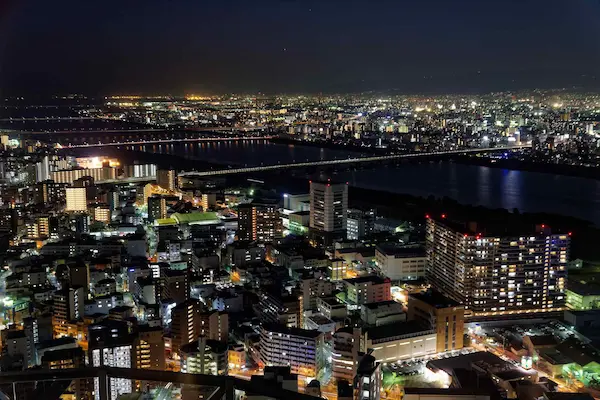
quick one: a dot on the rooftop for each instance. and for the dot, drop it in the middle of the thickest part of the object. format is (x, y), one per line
(583, 288)
(278, 328)
(400, 251)
(376, 305)
(374, 279)
(396, 329)
(196, 218)
(434, 299)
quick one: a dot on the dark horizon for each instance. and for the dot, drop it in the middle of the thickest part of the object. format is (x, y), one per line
(287, 46)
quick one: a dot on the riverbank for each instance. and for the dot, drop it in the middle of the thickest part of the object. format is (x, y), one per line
(406, 207)
(518, 165)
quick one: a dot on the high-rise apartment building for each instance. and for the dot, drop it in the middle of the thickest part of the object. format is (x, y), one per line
(71, 175)
(49, 192)
(68, 306)
(259, 221)
(185, 324)
(214, 325)
(495, 273)
(150, 348)
(300, 349)
(101, 213)
(76, 199)
(167, 179)
(157, 208)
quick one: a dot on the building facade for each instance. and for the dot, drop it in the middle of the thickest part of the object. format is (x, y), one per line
(497, 274)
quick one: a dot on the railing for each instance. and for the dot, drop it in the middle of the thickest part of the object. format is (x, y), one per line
(225, 385)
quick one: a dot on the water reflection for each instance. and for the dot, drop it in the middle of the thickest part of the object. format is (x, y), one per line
(468, 184)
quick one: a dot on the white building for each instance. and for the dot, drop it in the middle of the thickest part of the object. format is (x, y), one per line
(401, 263)
(300, 349)
(400, 341)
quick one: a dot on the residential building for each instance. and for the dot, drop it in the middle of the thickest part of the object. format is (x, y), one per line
(214, 325)
(204, 356)
(367, 382)
(582, 295)
(492, 271)
(368, 289)
(167, 179)
(76, 199)
(300, 349)
(68, 306)
(185, 324)
(70, 358)
(259, 220)
(344, 355)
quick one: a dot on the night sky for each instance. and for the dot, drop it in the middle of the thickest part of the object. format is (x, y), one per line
(297, 46)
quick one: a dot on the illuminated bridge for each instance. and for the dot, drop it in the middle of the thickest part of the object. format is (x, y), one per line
(350, 160)
(221, 387)
(168, 141)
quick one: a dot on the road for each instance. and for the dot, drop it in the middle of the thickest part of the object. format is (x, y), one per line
(169, 141)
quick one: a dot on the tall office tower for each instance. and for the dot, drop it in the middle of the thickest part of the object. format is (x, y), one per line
(259, 221)
(166, 179)
(300, 349)
(185, 323)
(367, 382)
(439, 312)
(68, 306)
(328, 210)
(76, 199)
(493, 271)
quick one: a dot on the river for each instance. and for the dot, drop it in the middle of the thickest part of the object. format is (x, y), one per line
(468, 184)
